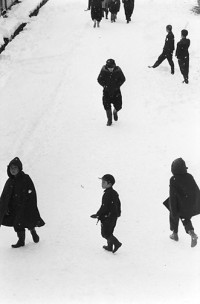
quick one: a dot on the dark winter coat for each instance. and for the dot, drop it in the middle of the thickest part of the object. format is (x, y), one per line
(169, 43)
(129, 5)
(96, 10)
(184, 197)
(111, 81)
(18, 202)
(111, 206)
(182, 48)
(114, 6)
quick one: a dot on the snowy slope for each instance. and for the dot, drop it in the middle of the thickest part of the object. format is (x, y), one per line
(51, 116)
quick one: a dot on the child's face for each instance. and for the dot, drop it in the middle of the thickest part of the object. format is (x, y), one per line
(105, 184)
(14, 170)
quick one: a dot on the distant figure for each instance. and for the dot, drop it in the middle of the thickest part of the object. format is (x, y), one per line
(108, 213)
(18, 204)
(167, 50)
(184, 200)
(114, 7)
(105, 8)
(111, 79)
(128, 9)
(182, 55)
(96, 11)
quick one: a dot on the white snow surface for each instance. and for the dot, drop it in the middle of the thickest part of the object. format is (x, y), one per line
(52, 118)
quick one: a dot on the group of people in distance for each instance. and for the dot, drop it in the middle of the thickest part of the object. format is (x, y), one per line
(181, 53)
(99, 7)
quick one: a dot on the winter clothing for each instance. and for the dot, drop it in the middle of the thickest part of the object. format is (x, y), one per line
(96, 10)
(167, 52)
(128, 8)
(114, 7)
(18, 202)
(111, 81)
(108, 214)
(184, 197)
(105, 7)
(182, 55)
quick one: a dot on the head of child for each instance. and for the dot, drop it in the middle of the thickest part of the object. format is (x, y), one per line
(184, 33)
(107, 181)
(14, 167)
(168, 28)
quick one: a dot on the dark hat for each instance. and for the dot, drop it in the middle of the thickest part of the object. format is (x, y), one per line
(184, 33)
(178, 166)
(108, 178)
(110, 63)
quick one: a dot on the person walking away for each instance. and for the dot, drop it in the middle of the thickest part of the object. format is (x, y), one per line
(182, 55)
(96, 12)
(114, 7)
(167, 50)
(18, 203)
(108, 213)
(111, 78)
(128, 9)
(184, 200)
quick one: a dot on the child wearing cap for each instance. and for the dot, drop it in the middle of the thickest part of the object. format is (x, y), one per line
(182, 55)
(111, 79)
(183, 201)
(108, 213)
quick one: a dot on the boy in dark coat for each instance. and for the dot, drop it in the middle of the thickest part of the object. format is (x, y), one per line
(182, 55)
(108, 213)
(18, 203)
(184, 200)
(111, 79)
(128, 9)
(167, 50)
(96, 11)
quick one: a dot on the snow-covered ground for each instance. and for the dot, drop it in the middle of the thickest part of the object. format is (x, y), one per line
(51, 116)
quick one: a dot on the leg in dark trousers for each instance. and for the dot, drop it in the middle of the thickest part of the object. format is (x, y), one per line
(190, 230)
(107, 229)
(162, 57)
(184, 68)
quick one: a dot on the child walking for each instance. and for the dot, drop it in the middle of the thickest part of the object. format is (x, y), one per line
(18, 203)
(167, 52)
(182, 55)
(184, 200)
(108, 213)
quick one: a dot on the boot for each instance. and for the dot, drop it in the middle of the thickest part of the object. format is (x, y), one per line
(115, 115)
(194, 238)
(97, 23)
(109, 116)
(35, 236)
(21, 241)
(174, 236)
(109, 247)
(114, 241)
(94, 23)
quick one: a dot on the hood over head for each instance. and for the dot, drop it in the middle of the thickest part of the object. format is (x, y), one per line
(16, 162)
(178, 166)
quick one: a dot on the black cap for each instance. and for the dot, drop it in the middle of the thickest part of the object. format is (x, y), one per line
(169, 27)
(110, 63)
(108, 178)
